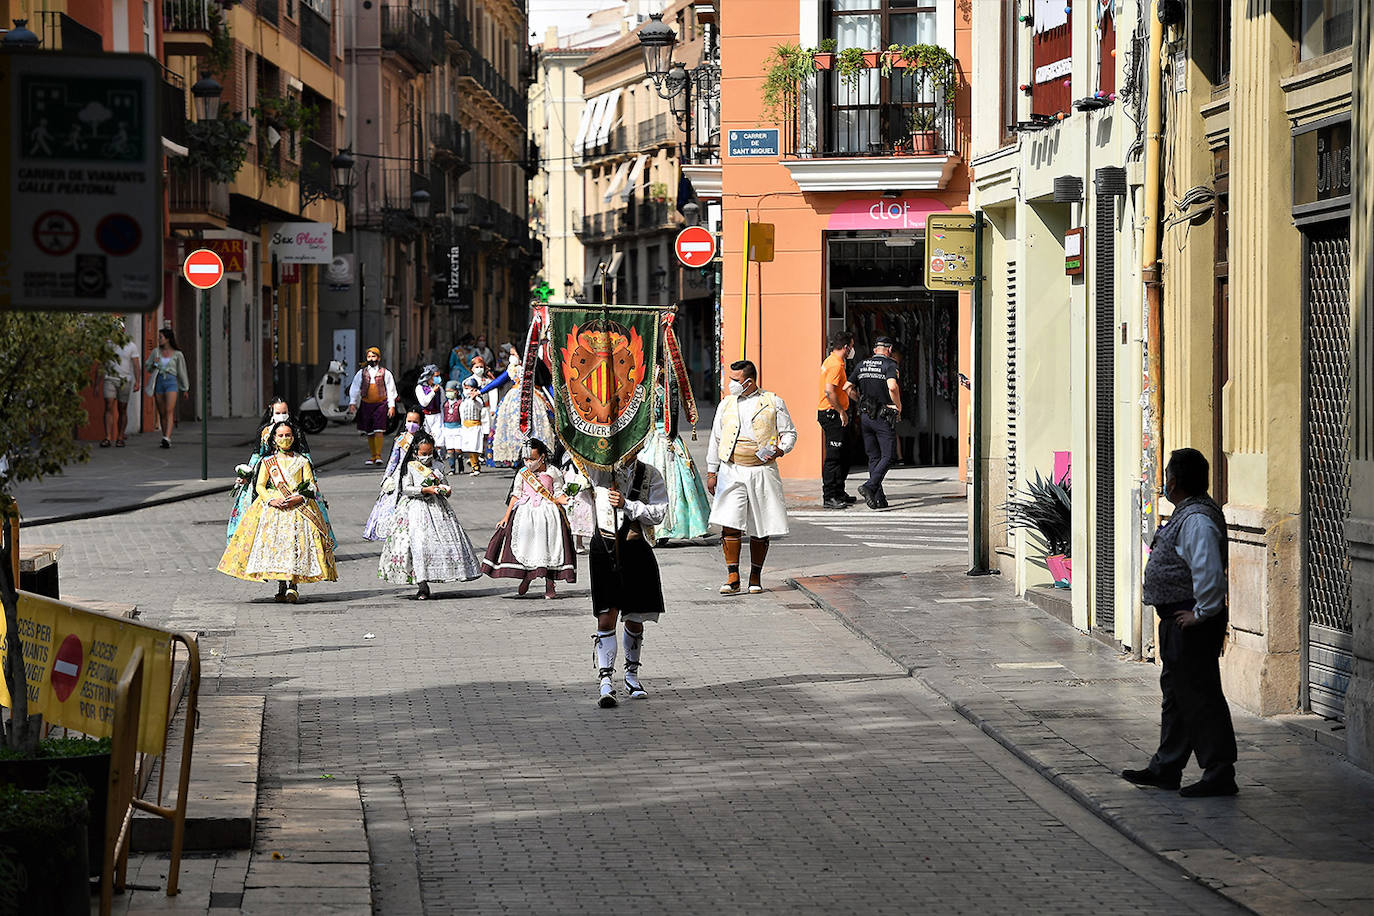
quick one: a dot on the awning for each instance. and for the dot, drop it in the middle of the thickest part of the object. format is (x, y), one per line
(616, 181)
(583, 124)
(607, 121)
(635, 173)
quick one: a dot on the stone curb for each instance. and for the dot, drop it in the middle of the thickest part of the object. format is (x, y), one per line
(1025, 756)
(207, 490)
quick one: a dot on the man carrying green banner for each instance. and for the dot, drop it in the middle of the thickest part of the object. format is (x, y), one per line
(603, 362)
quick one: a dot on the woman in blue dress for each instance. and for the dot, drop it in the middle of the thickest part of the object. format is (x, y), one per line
(688, 505)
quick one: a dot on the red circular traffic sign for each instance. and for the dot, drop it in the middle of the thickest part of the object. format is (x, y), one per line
(695, 246)
(203, 269)
(66, 667)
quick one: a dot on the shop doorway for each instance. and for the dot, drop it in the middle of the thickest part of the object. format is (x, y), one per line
(875, 288)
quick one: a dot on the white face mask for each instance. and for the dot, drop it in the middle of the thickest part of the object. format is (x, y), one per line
(736, 387)
(280, 417)
(425, 459)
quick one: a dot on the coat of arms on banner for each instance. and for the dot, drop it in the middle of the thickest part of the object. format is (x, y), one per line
(605, 360)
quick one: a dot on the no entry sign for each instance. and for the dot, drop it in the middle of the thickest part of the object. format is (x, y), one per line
(695, 246)
(203, 269)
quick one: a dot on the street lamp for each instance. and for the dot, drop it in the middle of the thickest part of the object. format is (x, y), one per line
(342, 164)
(460, 212)
(20, 36)
(207, 92)
(567, 289)
(657, 40)
(420, 203)
(691, 212)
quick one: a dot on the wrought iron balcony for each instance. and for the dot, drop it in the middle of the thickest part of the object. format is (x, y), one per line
(873, 133)
(452, 143)
(407, 33)
(196, 201)
(188, 27)
(173, 101)
(60, 32)
(315, 33)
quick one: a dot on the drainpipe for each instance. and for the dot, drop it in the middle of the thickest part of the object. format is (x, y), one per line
(1151, 473)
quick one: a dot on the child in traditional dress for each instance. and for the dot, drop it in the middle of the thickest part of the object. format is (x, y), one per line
(283, 536)
(449, 439)
(376, 527)
(473, 410)
(533, 538)
(581, 506)
(426, 543)
(689, 508)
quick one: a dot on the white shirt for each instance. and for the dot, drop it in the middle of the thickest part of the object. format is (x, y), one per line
(427, 399)
(355, 391)
(749, 406)
(125, 362)
(652, 508)
(1199, 544)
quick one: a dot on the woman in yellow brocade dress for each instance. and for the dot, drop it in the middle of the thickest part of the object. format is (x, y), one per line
(283, 536)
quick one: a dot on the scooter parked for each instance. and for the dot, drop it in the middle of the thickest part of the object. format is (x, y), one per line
(318, 410)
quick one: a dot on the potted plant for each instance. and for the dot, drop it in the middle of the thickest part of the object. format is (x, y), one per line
(825, 54)
(79, 761)
(925, 139)
(658, 192)
(43, 849)
(939, 66)
(788, 65)
(849, 64)
(1046, 514)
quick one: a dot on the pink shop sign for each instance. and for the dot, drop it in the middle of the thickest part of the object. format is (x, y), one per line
(884, 213)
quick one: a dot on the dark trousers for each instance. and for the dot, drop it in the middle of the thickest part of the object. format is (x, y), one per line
(1194, 717)
(832, 464)
(880, 442)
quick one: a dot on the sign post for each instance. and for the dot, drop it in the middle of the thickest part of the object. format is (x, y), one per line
(203, 269)
(80, 183)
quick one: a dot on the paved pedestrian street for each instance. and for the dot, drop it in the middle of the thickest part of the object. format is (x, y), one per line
(780, 765)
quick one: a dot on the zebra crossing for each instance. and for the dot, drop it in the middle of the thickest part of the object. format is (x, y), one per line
(890, 529)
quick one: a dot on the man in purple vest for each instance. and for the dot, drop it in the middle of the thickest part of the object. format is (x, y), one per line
(1185, 580)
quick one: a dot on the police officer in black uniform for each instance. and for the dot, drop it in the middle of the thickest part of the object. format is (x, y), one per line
(880, 406)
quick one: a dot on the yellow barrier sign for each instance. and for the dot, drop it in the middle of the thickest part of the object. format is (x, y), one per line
(73, 659)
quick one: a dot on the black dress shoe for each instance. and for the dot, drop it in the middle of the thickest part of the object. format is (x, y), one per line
(850, 499)
(1210, 788)
(870, 498)
(1150, 778)
(835, 504)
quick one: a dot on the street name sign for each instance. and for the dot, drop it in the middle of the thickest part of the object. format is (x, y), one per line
(695, 246)
(203, 269)
(758, 142)
(81, 228)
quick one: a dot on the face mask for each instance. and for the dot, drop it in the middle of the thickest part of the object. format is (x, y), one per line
(284, 443)
(372, 362)
(479, 370)
(412, 427)
(425, 459)
(849, 354)
(451, 395)
(438, 379)
(280, 417)
(736, 387)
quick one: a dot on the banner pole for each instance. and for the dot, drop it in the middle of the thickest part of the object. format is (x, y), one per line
(744, 293)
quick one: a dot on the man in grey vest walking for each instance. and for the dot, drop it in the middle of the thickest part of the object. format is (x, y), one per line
(1185, 580)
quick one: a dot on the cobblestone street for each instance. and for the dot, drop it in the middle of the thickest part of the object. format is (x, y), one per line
(780, 765)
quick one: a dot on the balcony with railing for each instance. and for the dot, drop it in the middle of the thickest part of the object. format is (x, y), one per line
(407, 33)
(490, 79)
(486, 215)
(874, 132)
(188, 27)
(196, 201)
(452, 143)
(269, 11)
(654, 130)
(59, 32)
(172, 100)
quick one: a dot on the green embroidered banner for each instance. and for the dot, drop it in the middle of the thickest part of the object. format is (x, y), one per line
(604, 360)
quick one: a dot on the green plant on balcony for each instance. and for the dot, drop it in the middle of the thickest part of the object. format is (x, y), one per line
(939, 66)
(824, 53)
(220, 59)
(850, 64)
(290, 118)
(658, 191)
(216, 148)
(788, 65)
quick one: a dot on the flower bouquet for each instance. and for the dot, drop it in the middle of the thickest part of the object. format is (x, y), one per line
(575, 483)
(307, 489)
(242, 474)
(444, 489)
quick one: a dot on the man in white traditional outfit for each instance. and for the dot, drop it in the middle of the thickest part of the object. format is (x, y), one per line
(625, 581)
(751, 431)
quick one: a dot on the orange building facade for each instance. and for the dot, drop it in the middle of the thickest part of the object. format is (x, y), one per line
(858, 162)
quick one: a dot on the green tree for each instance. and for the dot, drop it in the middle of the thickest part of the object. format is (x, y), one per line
(49, 358)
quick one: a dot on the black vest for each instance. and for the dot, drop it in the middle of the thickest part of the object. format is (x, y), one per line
(1168, 580)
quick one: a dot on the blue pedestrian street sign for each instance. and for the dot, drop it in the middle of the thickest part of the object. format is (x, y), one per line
(761, 142)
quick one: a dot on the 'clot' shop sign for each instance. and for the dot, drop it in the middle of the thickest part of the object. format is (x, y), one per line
(884, 213)
(303, 243)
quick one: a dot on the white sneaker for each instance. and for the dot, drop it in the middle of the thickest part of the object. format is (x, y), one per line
(606, 699)
(633, 686)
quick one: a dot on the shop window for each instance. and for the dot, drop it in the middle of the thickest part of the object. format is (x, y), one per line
(1051, 58)
(1324, 26)
(1106, 46)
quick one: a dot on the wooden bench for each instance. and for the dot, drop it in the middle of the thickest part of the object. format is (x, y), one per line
(38, 568)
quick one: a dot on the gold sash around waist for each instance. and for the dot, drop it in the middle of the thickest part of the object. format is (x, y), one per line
(746, 454)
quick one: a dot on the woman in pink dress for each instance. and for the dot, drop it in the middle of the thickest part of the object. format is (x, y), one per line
(533, 539)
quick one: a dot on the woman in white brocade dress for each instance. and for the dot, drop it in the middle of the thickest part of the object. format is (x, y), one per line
(426, 543)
